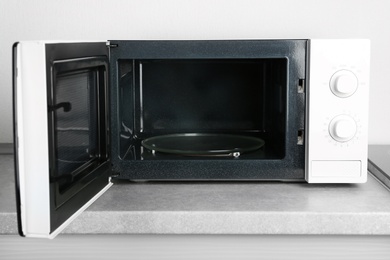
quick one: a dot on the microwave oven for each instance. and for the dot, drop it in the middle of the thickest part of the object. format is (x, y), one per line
(87, 113)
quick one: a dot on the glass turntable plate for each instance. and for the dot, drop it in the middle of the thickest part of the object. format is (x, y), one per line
(201, 144)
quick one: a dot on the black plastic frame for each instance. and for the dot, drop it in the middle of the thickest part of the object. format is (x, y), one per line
(290, 168)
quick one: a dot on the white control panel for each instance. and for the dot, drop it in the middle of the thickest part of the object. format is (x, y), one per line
(337, 111)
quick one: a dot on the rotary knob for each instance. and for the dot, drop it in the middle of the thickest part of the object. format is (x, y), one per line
(342, 128)
(343, 83)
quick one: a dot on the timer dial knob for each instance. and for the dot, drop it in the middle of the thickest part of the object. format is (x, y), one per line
(344, 83)
(342, 128)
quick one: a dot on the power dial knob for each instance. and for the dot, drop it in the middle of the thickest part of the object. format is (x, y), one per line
(344, 83)
(342, 128)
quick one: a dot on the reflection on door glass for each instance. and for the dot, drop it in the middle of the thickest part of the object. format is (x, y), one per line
(76, 123)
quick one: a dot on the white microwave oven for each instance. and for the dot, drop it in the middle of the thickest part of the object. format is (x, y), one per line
(87, 113)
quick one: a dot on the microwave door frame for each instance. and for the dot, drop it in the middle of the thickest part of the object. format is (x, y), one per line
(32, 64)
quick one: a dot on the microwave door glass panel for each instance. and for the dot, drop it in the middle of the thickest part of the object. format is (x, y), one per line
(76, 125)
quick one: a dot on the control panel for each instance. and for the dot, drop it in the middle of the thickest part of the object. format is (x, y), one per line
(337, 111)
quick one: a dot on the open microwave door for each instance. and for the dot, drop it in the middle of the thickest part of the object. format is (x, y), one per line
(61, 137)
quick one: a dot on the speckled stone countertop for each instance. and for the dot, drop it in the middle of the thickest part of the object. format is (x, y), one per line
(222, 208)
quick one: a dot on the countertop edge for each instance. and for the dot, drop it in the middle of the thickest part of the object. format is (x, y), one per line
(217, 223)
(226, 222)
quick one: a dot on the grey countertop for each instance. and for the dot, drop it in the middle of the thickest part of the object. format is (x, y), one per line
(222, 208)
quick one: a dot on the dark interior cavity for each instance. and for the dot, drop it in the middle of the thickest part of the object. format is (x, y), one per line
(244, 97)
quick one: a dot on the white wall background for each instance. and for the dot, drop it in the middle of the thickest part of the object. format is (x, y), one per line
(201, 19)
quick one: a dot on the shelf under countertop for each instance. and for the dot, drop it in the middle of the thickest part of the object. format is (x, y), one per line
(221, 208)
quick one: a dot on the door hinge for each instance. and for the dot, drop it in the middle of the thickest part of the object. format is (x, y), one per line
(109, 45)
(114, 175)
